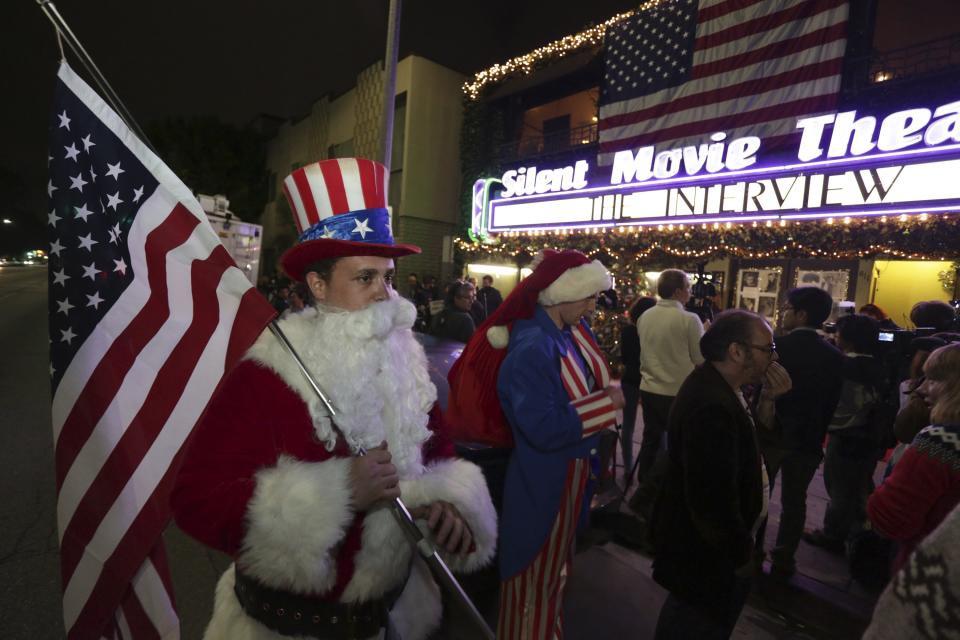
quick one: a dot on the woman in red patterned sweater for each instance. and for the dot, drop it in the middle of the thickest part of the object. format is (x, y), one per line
(925, 485)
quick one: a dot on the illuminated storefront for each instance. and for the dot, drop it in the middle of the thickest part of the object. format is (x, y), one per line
(852, 189)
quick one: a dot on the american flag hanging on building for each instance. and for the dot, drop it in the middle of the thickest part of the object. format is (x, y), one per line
(147, 313)
(682, 70)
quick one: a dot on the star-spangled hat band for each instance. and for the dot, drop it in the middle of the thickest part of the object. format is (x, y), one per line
(340, 209)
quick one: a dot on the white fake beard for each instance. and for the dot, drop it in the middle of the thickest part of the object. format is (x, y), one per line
(374, 371)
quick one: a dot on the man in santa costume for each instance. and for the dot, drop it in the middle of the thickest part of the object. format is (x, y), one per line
(535, 375)
(268, 478)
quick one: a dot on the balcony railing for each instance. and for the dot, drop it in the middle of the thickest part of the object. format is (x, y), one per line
(539, 146)
(909, 62)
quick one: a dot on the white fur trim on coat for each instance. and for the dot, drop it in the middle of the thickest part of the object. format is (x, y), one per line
(384, 555)
(419, 609)
(498, 336)
(298, 513)
(461, 483)
(576, 284)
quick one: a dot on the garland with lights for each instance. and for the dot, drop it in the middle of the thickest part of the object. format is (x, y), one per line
(628, 252)
(547, 54)
(923, 237)
(948, 278)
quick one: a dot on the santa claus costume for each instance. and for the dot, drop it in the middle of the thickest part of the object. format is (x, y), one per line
(267, 477)
(524, 382)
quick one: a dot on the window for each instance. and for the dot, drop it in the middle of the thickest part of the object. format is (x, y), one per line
(341, 150)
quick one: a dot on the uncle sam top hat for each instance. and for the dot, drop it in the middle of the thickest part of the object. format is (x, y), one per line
(340, 209)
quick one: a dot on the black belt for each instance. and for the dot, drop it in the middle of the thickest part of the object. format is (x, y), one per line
(291, 614)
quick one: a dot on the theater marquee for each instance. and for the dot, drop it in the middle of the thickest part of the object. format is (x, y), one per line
(908, 162)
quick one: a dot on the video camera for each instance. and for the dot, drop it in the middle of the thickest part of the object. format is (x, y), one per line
(894, 350)
(701, 294)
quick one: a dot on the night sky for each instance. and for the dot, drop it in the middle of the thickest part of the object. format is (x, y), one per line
(237, 58)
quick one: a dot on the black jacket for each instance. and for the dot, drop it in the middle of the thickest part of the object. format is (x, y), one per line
(452, 324)
(489, 298)
(630, 353)
(712, 494)
(804, 412)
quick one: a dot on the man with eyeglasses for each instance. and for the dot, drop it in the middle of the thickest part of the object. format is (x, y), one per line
(715, 494)
(455, 321)
(794, 450)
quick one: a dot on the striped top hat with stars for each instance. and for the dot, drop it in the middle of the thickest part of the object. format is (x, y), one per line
(340, 209)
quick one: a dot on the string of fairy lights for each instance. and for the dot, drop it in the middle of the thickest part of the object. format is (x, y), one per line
(525, 64)
(919, 237)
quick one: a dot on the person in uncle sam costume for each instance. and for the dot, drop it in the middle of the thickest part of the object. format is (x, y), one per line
(533, 377)
(318, 553)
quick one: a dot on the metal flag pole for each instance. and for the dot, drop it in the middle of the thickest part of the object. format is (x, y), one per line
(50, 10)
(424, 547)
(390, 83)
(429, 553)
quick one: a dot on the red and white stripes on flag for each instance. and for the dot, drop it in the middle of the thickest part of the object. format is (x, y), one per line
(320, 190)
(595, 408)
(756, 67)
(131, 395)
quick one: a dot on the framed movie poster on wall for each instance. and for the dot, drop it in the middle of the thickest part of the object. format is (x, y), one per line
(836, 282)
(758, 290)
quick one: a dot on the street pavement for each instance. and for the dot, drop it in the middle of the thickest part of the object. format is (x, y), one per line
(611, 594)
(29, 559)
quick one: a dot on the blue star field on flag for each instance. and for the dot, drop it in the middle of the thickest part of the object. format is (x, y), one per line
(95, 189)
(650, 51)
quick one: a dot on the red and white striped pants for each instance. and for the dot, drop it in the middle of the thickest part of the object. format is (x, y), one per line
(531, 601)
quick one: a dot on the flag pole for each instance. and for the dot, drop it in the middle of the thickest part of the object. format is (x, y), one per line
(429, 553)
(390, 83)
(424, 547)
(50, 10)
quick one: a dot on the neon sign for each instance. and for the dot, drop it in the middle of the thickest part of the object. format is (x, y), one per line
(848, 166)
(480, 208)
(899, 130)
(639, 167)
(530, 180)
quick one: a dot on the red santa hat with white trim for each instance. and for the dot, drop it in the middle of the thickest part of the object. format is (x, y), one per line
(473, 409)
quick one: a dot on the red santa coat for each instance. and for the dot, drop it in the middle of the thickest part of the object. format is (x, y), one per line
(259, 485)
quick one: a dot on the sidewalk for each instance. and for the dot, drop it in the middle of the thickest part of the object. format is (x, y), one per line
(612, 596)
(612, 593)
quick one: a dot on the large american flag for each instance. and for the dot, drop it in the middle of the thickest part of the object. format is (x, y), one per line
(682, 70)
(147, 313)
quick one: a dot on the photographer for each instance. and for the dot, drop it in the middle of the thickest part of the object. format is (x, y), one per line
(703, 296)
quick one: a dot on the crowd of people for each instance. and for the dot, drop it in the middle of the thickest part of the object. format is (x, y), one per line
(833, 397)
(729, 406)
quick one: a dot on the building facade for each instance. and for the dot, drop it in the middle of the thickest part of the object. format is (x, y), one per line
(425, 164)
(873, 216)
